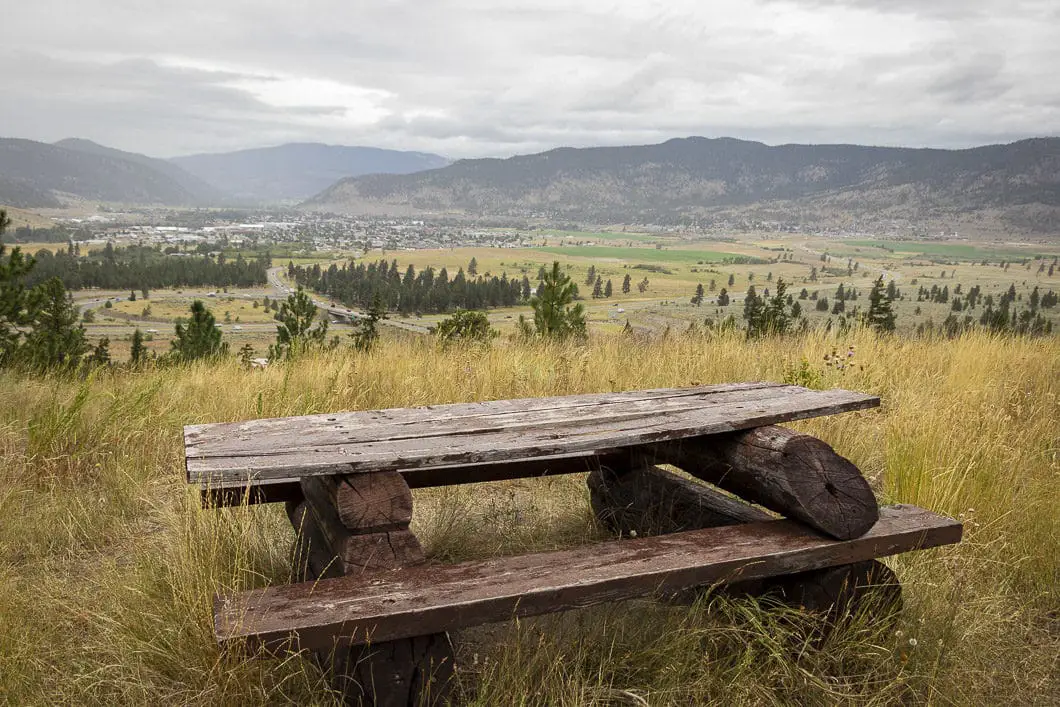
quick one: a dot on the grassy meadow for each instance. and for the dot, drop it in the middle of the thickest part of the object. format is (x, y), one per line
(108, 565)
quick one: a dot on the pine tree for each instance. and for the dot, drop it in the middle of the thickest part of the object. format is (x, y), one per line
(723, 298)
(555, 313)
(365, 333)
(14, 301)
(598, 288)
(472, 268)
(732, 279)
(56, 338)
(590, 276)
(880, 315)
(608, 289)
(246, 355)
(296, 331)
(465, 325)
(199, 337)
(138, 352)
(697, 298)
(642, 286)
(626, 284)
(713, 286)
(100, 355)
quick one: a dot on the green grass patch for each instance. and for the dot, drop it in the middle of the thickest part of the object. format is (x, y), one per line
(636, 255)
(956, 251)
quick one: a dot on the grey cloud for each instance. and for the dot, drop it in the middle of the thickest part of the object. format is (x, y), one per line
(464, 78)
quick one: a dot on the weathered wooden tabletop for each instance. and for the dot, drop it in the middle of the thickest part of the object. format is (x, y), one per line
(501, 431)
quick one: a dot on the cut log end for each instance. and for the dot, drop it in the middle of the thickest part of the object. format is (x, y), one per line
(794, 474)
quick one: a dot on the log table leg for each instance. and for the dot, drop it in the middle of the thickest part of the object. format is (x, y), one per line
(360, 522)
(794, 474)
(648, 500)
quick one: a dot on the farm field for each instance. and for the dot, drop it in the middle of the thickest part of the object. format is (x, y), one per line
(100, 528)
(672, 273)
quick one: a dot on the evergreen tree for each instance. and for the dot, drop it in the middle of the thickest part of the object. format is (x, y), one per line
(472, 268)
(132, 295)
(555, 313)
(590, 276)
(642, 286)
(608, 289)
(598, 288)
(880, 315)
(465, 325)
(14, 311)
(732, 279)
(713, 285)
(626, 284)
(296, 331)
(753, 307)
(697, 298)
(138, 352)
(198, 337)
(100, 355)
(56, 338)
(246, 355)
(365, 333)
(723, 298)
(526, 292)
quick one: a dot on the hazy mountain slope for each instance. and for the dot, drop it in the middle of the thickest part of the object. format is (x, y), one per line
(299, 170)
(699, 176)
(201, 191)
(33, 174)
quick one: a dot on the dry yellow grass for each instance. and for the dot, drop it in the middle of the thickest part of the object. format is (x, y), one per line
(108, 565)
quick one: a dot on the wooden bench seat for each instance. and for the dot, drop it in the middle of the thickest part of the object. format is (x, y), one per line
(383, 606)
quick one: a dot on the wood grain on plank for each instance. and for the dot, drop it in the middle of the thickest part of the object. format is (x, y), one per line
(589, 434)
(389, 605)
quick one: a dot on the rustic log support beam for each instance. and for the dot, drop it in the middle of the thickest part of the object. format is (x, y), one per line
(646, 500)
(348, 525)
(794, 474)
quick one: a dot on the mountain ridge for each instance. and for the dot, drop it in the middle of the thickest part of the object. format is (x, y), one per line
(33, 174)
(296, 171)
(688, 178)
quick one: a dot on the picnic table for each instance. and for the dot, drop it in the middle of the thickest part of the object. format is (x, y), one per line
(782, 514)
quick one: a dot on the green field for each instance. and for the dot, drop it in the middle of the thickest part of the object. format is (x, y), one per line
(603, 236)
(956, 251)
(642, 255)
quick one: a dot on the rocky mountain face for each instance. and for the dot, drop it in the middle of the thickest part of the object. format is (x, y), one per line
(40, 175)
(695, 178)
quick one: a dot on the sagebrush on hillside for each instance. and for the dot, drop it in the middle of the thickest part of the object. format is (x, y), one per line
(108, 565)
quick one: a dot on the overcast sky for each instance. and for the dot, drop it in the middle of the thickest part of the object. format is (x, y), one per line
(468, 78)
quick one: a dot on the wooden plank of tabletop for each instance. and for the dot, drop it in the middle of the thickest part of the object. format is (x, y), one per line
(402, 423)
(416, 601)
(594, 431)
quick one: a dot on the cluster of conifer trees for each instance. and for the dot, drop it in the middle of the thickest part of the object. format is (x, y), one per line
(428, 291)
(138, 267)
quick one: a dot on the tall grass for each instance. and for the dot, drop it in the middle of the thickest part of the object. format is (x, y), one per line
(108, 565)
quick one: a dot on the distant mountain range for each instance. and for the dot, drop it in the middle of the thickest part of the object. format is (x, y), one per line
(41, 175)
(36, 174)
(297, 171)
(697, 177)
